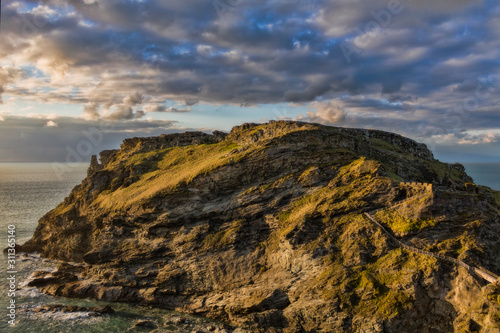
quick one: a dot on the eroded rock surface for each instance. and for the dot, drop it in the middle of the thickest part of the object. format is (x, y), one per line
(264, 228)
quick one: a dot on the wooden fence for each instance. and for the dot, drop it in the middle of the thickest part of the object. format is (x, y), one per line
(485, 274)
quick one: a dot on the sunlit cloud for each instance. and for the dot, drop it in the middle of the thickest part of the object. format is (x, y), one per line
(426, 69)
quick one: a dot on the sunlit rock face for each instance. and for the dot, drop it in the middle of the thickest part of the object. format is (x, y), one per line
(264, 227)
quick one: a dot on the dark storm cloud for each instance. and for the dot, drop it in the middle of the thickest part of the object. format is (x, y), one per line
(261, 51)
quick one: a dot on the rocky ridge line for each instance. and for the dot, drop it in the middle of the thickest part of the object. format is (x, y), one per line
(264, 227)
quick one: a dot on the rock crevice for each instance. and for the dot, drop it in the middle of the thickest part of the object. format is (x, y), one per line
(264, 227)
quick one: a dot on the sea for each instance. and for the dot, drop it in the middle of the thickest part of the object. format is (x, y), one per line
(27, 192)
(487, 174)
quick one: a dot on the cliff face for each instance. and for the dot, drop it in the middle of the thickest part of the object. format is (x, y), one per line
(264, 227)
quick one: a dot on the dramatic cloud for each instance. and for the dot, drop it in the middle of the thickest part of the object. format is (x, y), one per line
(328, 113)
(426, 68)
(162, 108)
(8, 75)
(254, 51)
(91, 111)
(125, 109)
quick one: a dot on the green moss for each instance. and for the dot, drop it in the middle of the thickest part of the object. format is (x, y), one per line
(333, 279)
(399, 264)
(255, 130)
(357, 168)
(438, 168)
(308, 171)
(264, 187)
(384, 145)
(494, 296)
(377, 286)
(222, 238)
(63, 208)
(145, 159)
(398, 267)
(458, 247)
(347, 194)
(494, 194)
(249, 190)
(496, 197)
(391, 174)
(174, 166)
(218, 240)
(380, 300)
(402, 224)
(495, 319)
(392, 303)
(340, 151)
(457, 175)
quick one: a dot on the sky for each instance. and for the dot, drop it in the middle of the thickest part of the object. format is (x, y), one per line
(79, 76)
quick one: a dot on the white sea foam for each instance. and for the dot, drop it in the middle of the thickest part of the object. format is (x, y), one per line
(30, 292)
(86, 317)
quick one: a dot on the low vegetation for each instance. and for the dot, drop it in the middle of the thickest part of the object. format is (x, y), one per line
(402, 224)
(223, 237)
(267, 228)
(174, 166)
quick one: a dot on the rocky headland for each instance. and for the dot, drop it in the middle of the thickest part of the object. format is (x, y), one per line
(265, 228)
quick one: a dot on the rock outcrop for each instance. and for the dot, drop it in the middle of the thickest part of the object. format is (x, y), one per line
(264, 228)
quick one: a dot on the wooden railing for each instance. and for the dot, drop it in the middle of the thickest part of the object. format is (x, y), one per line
(485, 274)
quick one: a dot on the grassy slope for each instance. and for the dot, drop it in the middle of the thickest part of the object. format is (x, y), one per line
(169, 168)
(370, 287)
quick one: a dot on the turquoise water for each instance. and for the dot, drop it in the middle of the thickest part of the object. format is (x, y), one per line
(27, 192)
